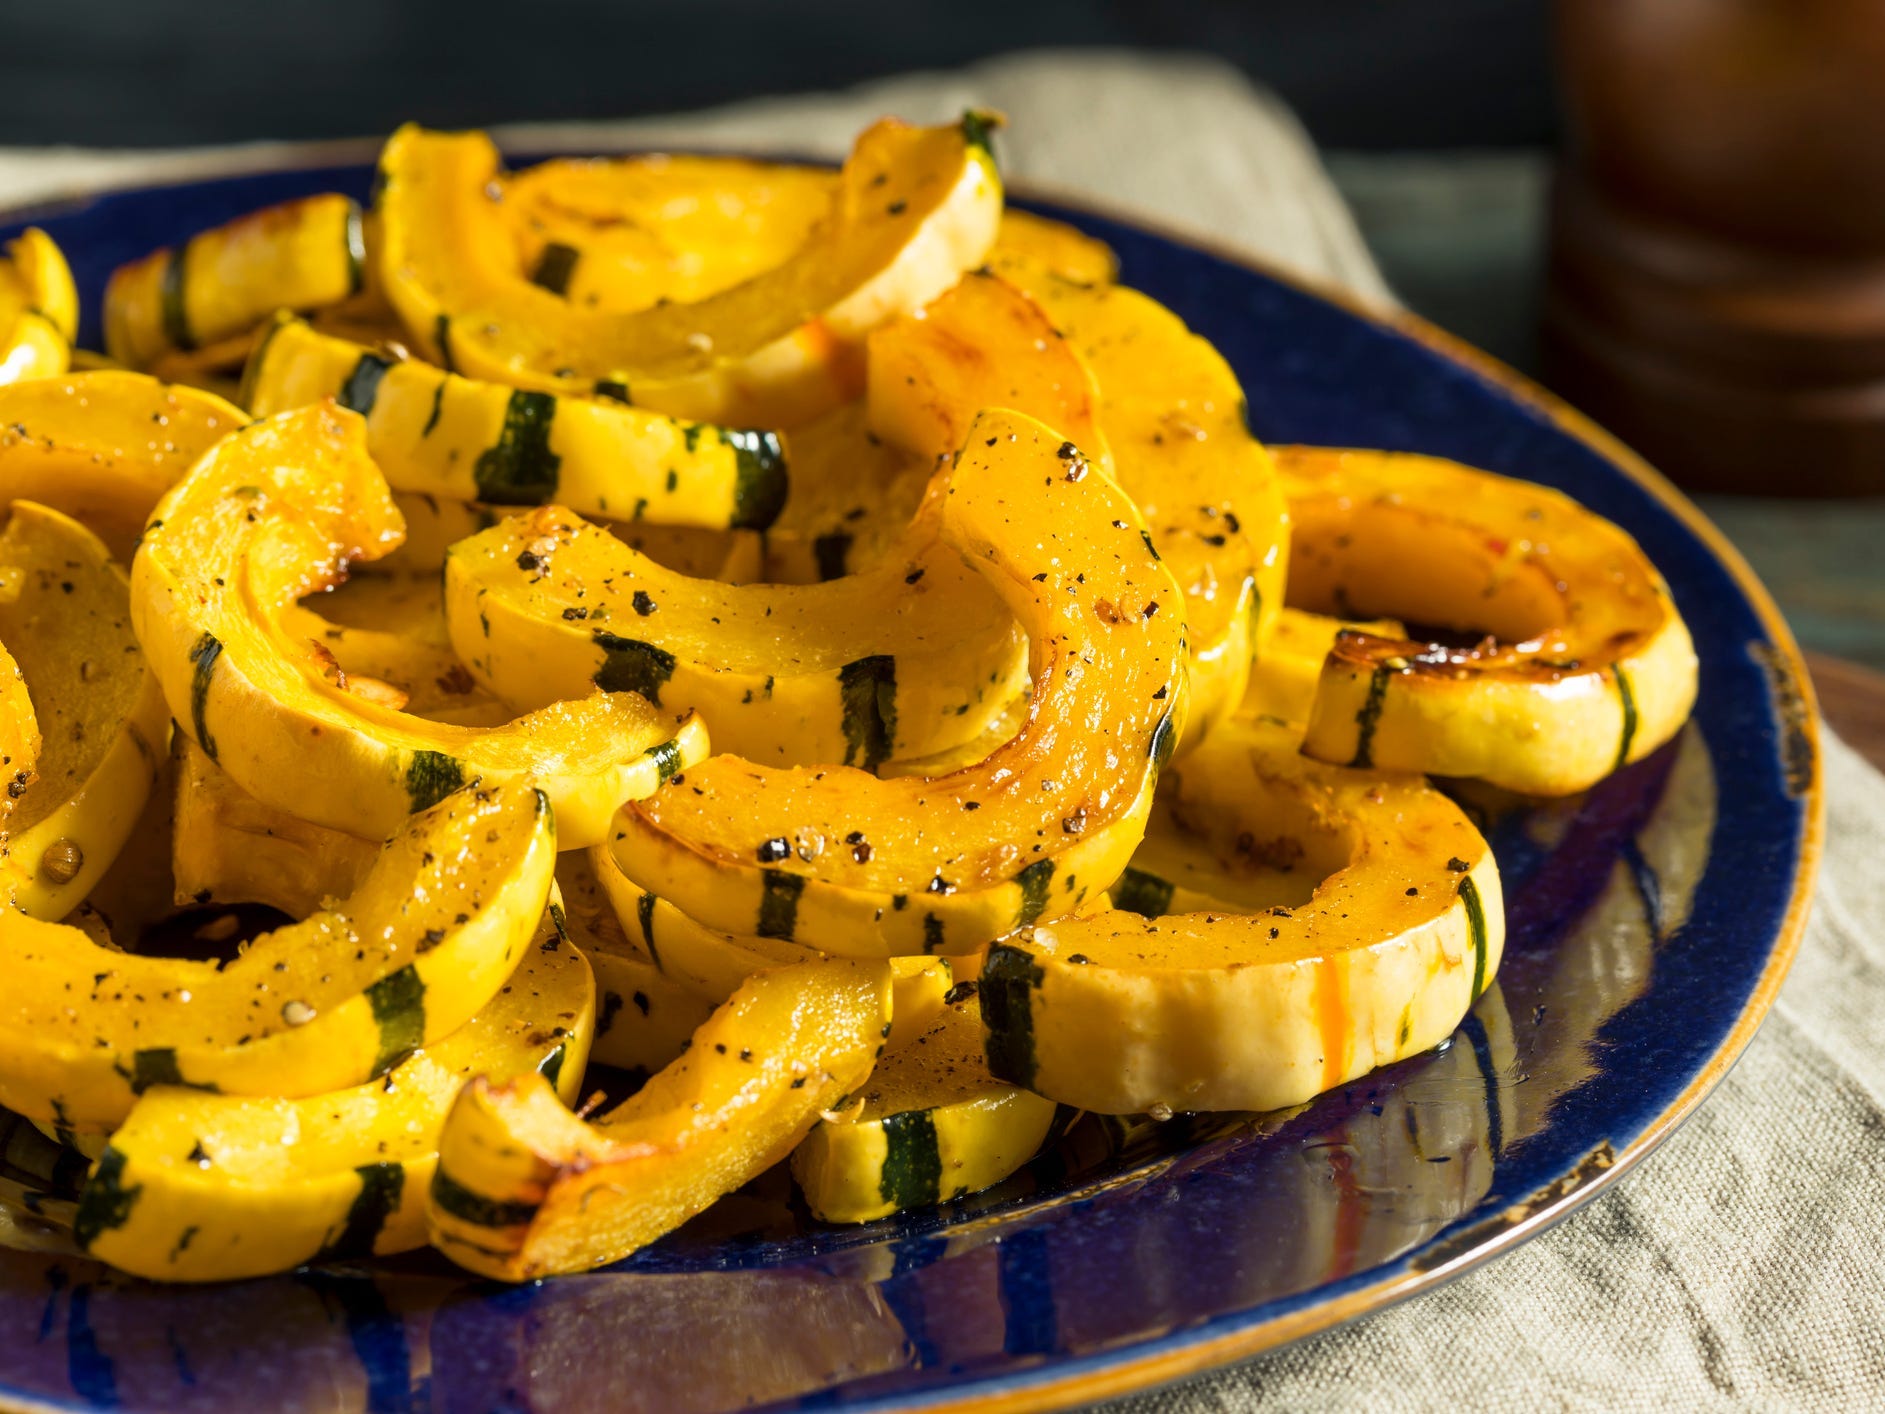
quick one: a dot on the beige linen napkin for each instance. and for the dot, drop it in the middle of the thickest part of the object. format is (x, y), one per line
(1742, 1266)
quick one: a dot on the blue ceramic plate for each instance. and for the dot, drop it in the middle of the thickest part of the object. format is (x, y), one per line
(1650, 924)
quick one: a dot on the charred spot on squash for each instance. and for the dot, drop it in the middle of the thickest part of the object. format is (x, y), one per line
(204, 654)
(381, 1187)
(362, 386)
(868, 692)
(398, 1003)
(521, 470)
(1009, 980)
(1142, 893)
(106, 1202)
(451, 1196)
(912, 1171)
(430, 777)
(632, 666)
(779, 903)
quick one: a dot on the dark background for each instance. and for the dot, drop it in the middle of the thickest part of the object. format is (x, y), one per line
(1371, 74)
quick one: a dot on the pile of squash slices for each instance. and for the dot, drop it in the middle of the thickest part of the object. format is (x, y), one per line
(811, 640)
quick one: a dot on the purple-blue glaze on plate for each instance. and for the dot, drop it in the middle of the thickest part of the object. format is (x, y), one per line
(1650, 922)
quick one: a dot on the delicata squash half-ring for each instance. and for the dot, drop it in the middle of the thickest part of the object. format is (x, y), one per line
(1586, 665)
(1187, 997)
(274, 513)
(196, 1186)
(39, 309)
(65, 615)
(438, 434)
(332, 1001)
(915, 655)
(524, 1188)
(857, 865)
(103, 447)
(913, 208)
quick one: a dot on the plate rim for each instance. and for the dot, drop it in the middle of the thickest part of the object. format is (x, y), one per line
(1181, 1354)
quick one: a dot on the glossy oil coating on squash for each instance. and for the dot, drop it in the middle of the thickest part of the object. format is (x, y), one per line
(334, 1000)
(860, 866)
(913, 656)
(525, 1189)
(221, 283)
(65, 615)
(196, 1186)
(276, 512)
(435, 433)
(104, 447)
(1287, 927)
(915, 207)
(39, 309)
(1584, 665)
(931, 1124)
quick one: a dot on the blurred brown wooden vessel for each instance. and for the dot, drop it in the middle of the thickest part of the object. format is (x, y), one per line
(1716, 283)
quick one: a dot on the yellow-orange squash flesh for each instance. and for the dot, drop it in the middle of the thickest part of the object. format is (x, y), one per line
(221, 283)
(914, 208)
(201, 1187)
(1198, 991)
(104, 446)
(65, 614)
(39, 309)
(275, 513)
(856, 865)
(526, 1189)
(335, 1000)
(1173, 415)
(625, 233)
(435, 433)
(913, 656)
(1585, 664)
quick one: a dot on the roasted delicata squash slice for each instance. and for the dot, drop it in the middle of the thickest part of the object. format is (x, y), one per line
(1173, 415)
(228, 847)
(1289, 662)
(19, 736)
(277, 512)
(983, 344)
(203, 1187)
(1200, 991)
(653, 933)
(913, 209)
(335, 1000)
(104, 447)
(931, 1124)
(644, 1017)
(65, 615)
(846, 862)
(435, 433)
(1054, 246)
(910, 657)
(39, 309)
(1585, 664)
(626, 233)
(852, 498)
(524, 1188)
(217, 286)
